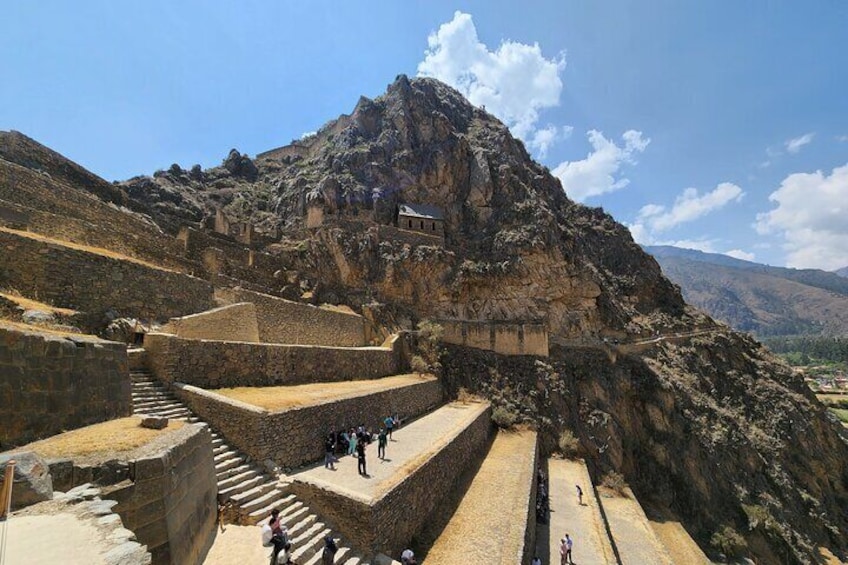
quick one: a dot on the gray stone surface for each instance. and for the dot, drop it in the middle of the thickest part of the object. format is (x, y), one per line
(32, 482)
(154, 422)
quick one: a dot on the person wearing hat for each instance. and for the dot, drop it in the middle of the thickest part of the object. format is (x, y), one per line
(407, 557)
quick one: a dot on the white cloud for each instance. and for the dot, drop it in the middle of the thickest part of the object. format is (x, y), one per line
(543, 139)
(596, 174)
(513, 82)
(688, 206)
(739, 254)
(794, 145)
(842, 138)
(810, 216)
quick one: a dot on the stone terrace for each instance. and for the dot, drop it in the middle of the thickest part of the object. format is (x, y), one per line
(496, 516)
(387, 508)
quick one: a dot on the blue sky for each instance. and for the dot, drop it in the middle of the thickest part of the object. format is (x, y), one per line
(716, 125)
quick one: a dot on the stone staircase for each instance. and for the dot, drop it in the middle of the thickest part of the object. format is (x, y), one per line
(251, 490)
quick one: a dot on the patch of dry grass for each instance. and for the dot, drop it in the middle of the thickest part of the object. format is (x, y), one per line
(285, 397)
(87, 248)
(9, 324)
(115, 436)
(29, 304)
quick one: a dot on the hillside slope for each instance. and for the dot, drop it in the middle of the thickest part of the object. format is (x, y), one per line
(764, 300)
(700, 420)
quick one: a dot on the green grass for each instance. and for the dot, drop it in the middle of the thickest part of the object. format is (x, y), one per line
(841, 413)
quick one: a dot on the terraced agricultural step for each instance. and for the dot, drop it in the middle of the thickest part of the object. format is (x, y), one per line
(253, 492)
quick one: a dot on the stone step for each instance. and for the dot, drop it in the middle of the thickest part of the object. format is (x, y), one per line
(251, 495)
(230, 471)
(228, 463)
(160, 404)
(309, 542)
(227, 455)
(303, 521)
(285, 503)
(241, 486)
(631, 531)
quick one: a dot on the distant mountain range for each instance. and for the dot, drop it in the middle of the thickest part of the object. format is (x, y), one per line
(764, 300)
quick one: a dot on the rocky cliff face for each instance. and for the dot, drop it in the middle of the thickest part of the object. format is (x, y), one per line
(707, 424)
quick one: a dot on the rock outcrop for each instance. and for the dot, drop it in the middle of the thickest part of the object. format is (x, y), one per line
(700, 420)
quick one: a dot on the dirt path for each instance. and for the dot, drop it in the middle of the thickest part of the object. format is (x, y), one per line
(679, 544)
(582, 523)
(634, 538)
(238, 545)
(411, 445)
(488, 526)
(50, 539)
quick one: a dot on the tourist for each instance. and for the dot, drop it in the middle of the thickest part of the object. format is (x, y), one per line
(407, 557)
(329, 448)
(351, 443)
(275, 534)
(390, 424)
(565, 551)
(360, 452)
(579, 495)
(330, 549)
(381, 444)
(536, 561)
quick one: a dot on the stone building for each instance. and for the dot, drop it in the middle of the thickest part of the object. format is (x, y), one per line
(422, 218)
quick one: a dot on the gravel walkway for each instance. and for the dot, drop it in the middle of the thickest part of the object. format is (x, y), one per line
(583, 523)
(489, 525)
(411, 445)
(634, 538)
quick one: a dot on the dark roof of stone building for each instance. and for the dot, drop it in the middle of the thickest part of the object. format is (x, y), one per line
(421, 211)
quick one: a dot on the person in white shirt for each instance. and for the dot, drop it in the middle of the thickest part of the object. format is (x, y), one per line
(407, 557)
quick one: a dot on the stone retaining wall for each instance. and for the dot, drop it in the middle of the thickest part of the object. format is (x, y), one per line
(170, 503)
(222, 364)
(389, 523)
(503, 338)
(72, 278)
(284, 321)
(236, 322)
(294, 437)
(51, 383)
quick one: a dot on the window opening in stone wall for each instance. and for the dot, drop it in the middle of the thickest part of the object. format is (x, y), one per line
(434, 226)
(421, 225)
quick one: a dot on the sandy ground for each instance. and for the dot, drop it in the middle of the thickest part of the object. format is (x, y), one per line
(79, 247)
(238, 545)
(35, 305)
(412, 444)
(107, 439)
(679, 544)
(52, 539)
(284, 397)
(582, 523)
(635, 540)
(488, 526)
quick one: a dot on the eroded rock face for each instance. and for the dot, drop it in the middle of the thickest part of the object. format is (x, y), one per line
(704, 423)
(32, 482)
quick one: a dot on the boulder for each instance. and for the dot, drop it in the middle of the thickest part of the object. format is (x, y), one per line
(32, 482)
(154, 422)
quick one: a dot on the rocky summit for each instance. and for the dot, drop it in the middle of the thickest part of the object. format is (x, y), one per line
(419, 206)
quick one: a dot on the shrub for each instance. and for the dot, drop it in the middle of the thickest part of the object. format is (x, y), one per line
(418, 364)
(504, 418)
(615, 482)
(729, 542)
(568, 443)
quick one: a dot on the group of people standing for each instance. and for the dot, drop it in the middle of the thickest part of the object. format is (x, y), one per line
(353, 442)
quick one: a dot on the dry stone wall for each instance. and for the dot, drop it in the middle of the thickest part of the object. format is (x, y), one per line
(503, 338)
(236, 322)
(292, 438)
(284, 321)
(389, 523)
(51, 383)
(222, 364)
(77, 279)
(171, 501)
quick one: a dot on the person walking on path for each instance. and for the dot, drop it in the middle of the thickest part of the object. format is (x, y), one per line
(579, 495)
(565, 551)
(381, 444)
(328, 555)
(360, 452)
(390, 424)
(329, 448)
